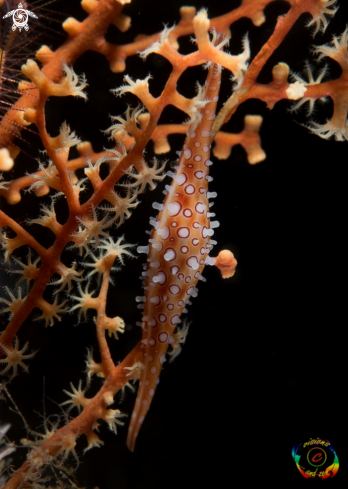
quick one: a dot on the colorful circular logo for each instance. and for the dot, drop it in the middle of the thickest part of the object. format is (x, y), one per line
(316, 458)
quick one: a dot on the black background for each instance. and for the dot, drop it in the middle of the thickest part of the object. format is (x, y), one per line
(263, 366)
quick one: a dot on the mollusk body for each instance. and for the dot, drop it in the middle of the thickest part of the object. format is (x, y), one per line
(177, 252)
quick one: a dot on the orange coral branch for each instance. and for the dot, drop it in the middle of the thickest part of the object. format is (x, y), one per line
(84, 423)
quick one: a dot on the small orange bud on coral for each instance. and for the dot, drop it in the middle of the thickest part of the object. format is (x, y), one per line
(6, 162)
(226, 262)
(44, 54)
(72, 26)
(29, 115)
